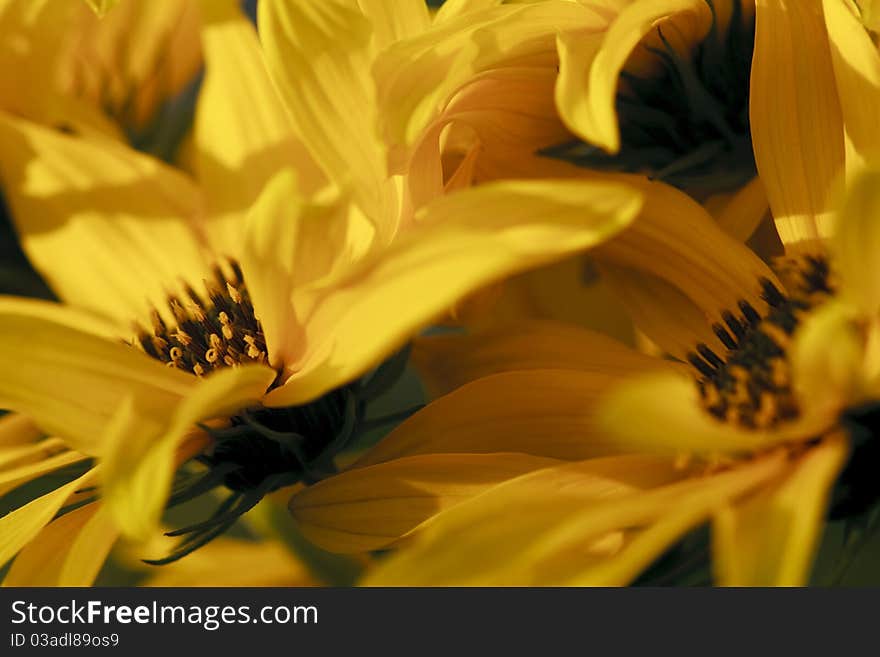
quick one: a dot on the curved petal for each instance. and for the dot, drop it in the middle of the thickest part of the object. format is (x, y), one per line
(664, 413)
(71, 382)
(139, 461)
(857, 72)
(770, 539)
(464, 241)
(238, 150)
(68, 552)
(795, 115)
(447, 362)
(590, 67)
(15, 476)
(19, 527)
(110, 229)
(543, 528)
(372, 507)
(17, 431)
(742, 214)
(403, 19)
(543, 412)
(319, 54)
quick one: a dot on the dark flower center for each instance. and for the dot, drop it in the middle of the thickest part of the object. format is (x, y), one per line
(688, 125)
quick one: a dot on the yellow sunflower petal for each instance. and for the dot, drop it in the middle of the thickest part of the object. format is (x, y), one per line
(663, 412)
(139, 463)
(108, 227)
(857, 72)
(68, 552)
(447, 362)
(542, 412)
(590, 66)
(742, 213)
(319, 54)
(393, 22)
(771, 538)
(796, 121)
(19, 527)
(464, 241)
(541, 528)
(12, 477)
(17, 431)
(370, 508)
(101, 7)
(856, 240)
(239, 151)
(71, 382)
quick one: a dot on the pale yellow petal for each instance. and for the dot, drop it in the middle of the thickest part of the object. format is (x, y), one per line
(110, 229)
(446, 362)
(319, 54)
(856, 64)
(795, 116)
(464, 241)
(70, 551)
(372, 507)
(243, 134)
(771, 538)
(590, 66)
(12, 477)
(543, 528)
(71, 382)
(19, 527)
(855, 243)
(139, 463)
(395, 21)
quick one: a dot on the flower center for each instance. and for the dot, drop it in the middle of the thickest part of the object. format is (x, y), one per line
(221, 331)
(687, 125)
(751, 385)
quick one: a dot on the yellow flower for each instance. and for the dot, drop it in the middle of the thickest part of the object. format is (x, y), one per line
(751, 425)
(330, 272)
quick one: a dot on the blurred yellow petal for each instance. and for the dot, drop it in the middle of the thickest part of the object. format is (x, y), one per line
(795, 115)
(108, 227)
(243, 134)
(72, 382)
(590, 66)
(771, 538)
(855, 243)
(857, 72)
(17, 431)
(70, 551)
(101, 7)
(447, 362)
(12, 477)
(664, 413)
(139, 463)
(395, 21)
(234, 562)
(19, 527)
(464, 241)
(870, 14)
(318, 52)
(546, 524)
(742, 213)
(372, 507)
(543, 412)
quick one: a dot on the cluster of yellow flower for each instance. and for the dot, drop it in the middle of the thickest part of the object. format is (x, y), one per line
(646, 229)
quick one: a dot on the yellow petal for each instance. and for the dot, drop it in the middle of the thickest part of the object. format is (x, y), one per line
(20, 526)
(742, 213)
(771, 538)
(72, 382)
(447, 362)
(319, 54)
(857, 72)
(234, 562)
(68, 552)
(139, 463)
(394, 22)
(663, 412)
(17, 431)
(12, 477)
(109, 228)
(870, 14)
(590, 67)
(856, 240)
(101, 7)
(239, 151)
(541, 528)
(464, 241)
(795, 115)
(542, 412)
(372, 507)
